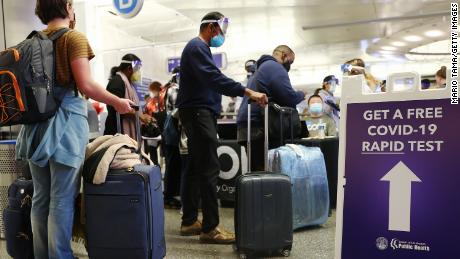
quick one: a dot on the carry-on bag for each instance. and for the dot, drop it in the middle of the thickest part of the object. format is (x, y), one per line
(263, 211)
(16, 218)
(125, 215)
(307, 170)
(10, 170)
(310, 192)
(28, 89)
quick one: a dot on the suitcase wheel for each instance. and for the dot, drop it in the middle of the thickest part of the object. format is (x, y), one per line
(285, 252)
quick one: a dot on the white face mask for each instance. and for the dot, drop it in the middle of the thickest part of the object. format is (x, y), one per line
(153, 94)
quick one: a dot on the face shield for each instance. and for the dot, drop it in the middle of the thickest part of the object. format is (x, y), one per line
(136, 64)
(223, 24)
(350, 70)
(136, 77)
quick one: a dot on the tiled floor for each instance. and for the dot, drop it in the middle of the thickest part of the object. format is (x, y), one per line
(312, 243)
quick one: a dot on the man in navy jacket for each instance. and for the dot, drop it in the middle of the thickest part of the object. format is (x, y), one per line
(271, 77)
(199, 102)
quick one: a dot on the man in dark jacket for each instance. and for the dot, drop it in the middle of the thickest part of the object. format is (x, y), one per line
(199, 102)
(271, 77)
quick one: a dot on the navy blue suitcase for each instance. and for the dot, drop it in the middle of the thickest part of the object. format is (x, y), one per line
(16, 217)
(125, 215)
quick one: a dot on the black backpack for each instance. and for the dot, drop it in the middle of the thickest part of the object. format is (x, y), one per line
(16, 219)
(28, 92)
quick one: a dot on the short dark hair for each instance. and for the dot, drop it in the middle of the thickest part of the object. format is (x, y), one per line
(210, 16)
(48, 10)
(127, 57)
(314, 96)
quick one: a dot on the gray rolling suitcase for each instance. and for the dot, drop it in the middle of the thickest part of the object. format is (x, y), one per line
(263, 211)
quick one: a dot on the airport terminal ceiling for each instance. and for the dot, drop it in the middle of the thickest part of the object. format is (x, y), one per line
(323, 35)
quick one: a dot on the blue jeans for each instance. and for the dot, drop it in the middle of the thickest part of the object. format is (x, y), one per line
(55, 189)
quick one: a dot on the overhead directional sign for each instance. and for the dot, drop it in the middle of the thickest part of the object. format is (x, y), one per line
(220, 59)
(128, 8)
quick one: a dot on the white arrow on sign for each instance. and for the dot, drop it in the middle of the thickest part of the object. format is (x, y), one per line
(400, 178)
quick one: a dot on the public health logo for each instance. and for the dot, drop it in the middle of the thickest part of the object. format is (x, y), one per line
(381, 243)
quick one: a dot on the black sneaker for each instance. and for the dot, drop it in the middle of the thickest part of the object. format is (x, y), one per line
(172, 203)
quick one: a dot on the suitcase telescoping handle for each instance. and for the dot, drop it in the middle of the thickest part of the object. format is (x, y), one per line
(265, 137)
(138, 127)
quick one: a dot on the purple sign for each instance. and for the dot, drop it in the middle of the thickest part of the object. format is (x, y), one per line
(219, 60)
(402, 192)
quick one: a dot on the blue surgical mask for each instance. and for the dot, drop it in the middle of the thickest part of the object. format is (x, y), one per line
(217, 40)
(316, 108)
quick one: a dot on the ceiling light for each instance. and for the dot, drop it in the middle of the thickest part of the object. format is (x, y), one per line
(388, 48)
(434, 33)
(413, 38)
(398, 43)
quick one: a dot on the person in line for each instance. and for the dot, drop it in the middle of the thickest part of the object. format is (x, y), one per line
(319, 124)
(250, 68)
(122, 86)
(272, 78)
(55, 148)
(153, 104)
(357, 66)
(170, 140)
(199, 102)
(440, 79)
(330, 103)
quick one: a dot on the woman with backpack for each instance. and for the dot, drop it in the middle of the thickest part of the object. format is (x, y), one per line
(55, 148)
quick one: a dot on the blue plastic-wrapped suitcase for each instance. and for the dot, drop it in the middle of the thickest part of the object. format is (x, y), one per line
(125, 215)
(307, 170)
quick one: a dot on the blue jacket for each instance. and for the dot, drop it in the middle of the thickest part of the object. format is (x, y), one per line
(270, 78)
(202, 83)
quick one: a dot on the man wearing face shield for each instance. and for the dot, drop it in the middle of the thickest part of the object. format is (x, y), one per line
(199, 101)
(330, 104)
(122, 85)
(271, 77)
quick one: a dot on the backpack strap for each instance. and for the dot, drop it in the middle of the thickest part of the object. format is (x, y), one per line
(53, 38)
(58, 33)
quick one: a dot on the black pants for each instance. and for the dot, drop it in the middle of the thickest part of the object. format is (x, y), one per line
(201, 128)
(173, 171)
